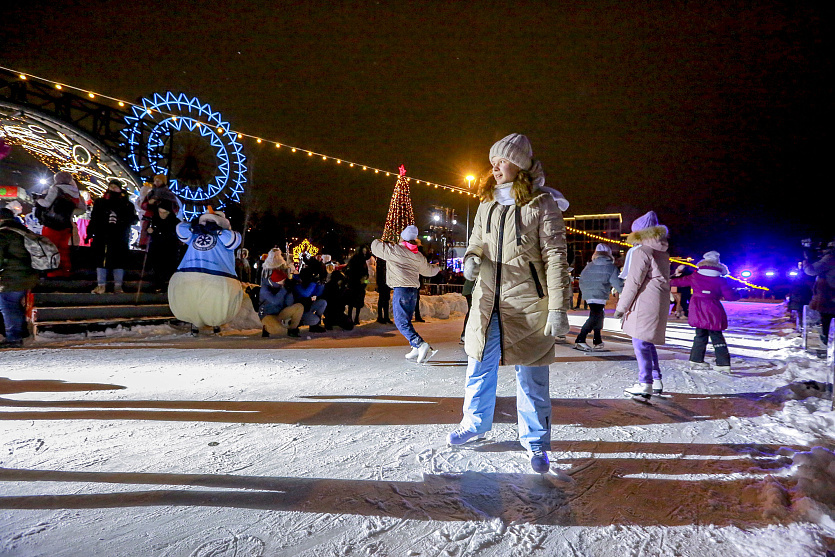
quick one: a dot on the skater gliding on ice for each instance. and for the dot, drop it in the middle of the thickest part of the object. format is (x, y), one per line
(404, 266)
(645, 301)
(517, 258)
(596, 282)
(706, 312)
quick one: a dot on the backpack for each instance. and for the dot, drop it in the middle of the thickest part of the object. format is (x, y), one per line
(43, 252)
(58, 216)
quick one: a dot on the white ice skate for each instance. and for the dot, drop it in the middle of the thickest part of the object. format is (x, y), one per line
(412, 354)
(639, 391)
(657, 387)
(425, 353)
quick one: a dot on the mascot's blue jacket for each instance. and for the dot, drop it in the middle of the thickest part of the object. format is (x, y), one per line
(211, 249)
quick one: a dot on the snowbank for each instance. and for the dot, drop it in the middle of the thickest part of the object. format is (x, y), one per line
(436, 307)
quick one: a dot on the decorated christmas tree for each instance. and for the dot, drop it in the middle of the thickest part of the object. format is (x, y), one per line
(400, 214)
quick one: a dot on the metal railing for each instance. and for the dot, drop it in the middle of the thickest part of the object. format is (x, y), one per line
(438, 289)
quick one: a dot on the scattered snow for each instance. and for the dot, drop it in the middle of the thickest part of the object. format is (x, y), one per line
(150, 442)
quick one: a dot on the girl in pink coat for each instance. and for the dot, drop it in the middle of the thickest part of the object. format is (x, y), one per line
(645, 301)
(706, 312)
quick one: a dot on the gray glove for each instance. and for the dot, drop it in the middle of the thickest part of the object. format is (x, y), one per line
(472, 265)
(557, 325)
(618, 315)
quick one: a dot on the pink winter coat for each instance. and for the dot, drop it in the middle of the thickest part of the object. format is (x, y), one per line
(706, 311)
(645, 301)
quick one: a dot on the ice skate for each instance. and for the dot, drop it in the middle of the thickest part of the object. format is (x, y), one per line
(413, 353)
(462, 435)
(640, 392)
(657, 387)
(582, 347)
(723, 369)
(100, 289)
(540, 462)
(699, 365)
(425, 353)
(598, 347)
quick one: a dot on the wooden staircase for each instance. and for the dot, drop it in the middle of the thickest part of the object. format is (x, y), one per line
(58, 308)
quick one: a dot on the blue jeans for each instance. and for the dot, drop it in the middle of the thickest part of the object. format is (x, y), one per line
(533, 400)
(403, 304)
(14, 315)
(314, 316)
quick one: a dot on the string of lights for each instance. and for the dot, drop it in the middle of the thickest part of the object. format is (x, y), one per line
(673, 259)
(240, 134)
(295, 149)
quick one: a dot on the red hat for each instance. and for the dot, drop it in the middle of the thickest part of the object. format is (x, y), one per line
(278, 276)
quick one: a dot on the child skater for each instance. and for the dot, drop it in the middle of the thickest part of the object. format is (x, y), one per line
(596, 282)
(645, 301)
(517, 258)
(706, 312)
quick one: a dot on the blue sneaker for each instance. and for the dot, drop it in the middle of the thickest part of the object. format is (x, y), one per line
(540, 462)
(462, 435)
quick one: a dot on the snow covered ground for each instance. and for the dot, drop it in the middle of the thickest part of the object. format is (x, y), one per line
(154, 443)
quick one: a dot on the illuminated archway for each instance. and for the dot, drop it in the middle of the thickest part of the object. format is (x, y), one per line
(62, 147)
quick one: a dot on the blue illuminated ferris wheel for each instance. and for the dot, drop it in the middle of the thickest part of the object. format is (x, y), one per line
(186, 140)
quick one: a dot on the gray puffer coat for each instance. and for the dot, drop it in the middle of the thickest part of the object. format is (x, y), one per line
(523, 275)
(598, 278)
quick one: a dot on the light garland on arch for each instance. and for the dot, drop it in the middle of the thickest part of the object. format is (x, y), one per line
(240, 135)
(673, 259)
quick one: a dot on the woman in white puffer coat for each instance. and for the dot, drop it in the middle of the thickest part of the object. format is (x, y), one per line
(517, 256)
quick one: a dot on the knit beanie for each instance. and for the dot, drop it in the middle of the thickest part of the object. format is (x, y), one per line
(602, 250)
(516, 148)
(711, 266)
(62, 178)
(409, 233)
(648, 220)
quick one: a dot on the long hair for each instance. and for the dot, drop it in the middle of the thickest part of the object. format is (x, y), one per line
(522, 188)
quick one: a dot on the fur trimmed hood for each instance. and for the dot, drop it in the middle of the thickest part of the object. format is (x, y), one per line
(658, 233)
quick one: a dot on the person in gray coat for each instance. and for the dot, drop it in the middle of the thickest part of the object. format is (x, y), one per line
(596, 282)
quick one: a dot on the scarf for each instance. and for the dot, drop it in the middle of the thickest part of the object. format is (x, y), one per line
(501, 193)
(411, 247)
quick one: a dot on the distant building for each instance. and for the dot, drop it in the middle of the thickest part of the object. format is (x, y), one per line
(582, 245)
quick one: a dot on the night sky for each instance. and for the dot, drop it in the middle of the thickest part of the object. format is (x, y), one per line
(717, 117)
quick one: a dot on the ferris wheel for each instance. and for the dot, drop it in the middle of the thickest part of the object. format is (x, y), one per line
(191, 144)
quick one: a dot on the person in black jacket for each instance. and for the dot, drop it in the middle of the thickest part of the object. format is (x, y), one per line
(357, 279)
(16, 277)
(109, 233)
(164, 248)
(384, 294)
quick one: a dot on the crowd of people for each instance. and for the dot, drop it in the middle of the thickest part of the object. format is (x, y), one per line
(516, 280)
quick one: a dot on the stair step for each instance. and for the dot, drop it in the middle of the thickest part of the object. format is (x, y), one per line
(86, 313)
(83, 286)
(64, 299)
(96, 325)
